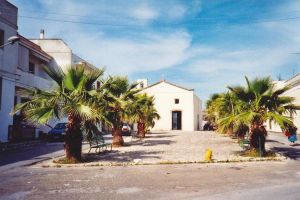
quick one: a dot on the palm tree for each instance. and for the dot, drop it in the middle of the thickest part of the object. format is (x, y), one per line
(151, 116)
(262, 103)
(73, 97)
(222, 109)
(120, 95)
(211, 108)
(229, 106)
(143, 113)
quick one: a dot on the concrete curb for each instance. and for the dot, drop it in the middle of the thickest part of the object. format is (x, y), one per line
(112, 164)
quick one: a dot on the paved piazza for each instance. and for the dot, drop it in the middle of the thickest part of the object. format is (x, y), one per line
(168, 147)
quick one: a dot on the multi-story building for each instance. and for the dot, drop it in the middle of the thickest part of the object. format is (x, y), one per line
(31, 58)
(8, 65)
(21, 67)
(62, 54)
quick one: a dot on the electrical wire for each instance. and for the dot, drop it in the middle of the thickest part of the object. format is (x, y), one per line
(162, 24)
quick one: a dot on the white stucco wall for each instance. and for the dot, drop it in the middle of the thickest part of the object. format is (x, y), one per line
(28, 80)
(58, 49)
(165, 95)
(62, 54)
(197, 113)
(8, 90)
(23, 58)
(294, 91)
(8, 65)
(8, 55)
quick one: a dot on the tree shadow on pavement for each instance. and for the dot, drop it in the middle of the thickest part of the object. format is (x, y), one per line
(158, 133)
(157, 142)
(274, 141)
(117, 156)
(290, 152)
(160, 136)
(153, 139)
(149, 142)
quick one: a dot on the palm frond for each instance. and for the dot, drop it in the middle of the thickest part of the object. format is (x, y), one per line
(93, 77)
(281, 120)
(281, 90)
(41, 114)
(56, 74)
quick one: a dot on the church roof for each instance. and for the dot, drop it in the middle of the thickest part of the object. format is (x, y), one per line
(164, 81)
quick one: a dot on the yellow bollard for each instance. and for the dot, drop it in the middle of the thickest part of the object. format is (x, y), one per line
(208, 155)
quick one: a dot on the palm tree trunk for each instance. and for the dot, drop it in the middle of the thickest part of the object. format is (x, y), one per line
(73, 140)
(141, 129)
(258, 137)
(229, 131)
(117, 137)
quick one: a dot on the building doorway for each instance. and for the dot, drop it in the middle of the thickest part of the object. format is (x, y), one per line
(176, 120)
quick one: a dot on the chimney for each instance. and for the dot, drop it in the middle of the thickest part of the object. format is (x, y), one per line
(42, 34)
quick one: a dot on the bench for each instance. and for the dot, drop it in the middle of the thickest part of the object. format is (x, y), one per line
(98, 143)
(244, 143)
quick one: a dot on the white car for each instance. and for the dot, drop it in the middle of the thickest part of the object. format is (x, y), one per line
(126, 130)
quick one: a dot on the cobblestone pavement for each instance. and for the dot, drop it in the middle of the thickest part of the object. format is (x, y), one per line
(169, 147)
(174, 146)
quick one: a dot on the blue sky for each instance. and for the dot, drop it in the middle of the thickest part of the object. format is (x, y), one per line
(201, 44)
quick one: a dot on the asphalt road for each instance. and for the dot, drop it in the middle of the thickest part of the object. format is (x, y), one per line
(256, 180)
(30, 155)
(33, 154)
(264, 180)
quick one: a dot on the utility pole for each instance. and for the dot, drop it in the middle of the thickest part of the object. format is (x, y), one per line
(279, 77)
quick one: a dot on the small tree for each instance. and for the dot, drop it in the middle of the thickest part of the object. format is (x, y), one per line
(223, 108)
(143, 113)
(120, 95)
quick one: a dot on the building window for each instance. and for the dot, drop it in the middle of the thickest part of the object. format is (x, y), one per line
(98, 84)
(176, 101)
(31, 68)
(141, 84)
(1, 38)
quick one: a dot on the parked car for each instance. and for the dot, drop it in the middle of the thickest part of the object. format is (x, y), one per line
(58, 132)
(208, 126)
(126, 130)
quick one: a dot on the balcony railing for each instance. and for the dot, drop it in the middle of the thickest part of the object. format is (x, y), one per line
(31, 80)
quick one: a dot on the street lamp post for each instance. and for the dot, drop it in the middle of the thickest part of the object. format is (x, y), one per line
(11, 40)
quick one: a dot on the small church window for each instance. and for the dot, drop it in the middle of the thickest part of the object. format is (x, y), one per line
(98, 85)
(176, 101)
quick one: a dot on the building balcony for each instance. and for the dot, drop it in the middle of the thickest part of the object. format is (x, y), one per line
(29, 80)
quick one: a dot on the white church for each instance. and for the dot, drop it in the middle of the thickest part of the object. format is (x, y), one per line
(179, 108)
